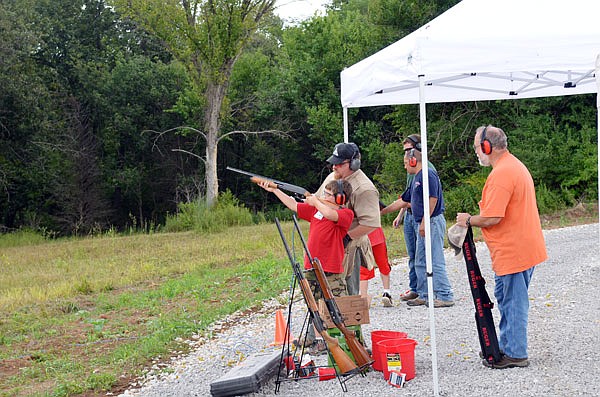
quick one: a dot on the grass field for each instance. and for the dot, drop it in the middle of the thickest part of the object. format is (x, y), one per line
(85, 316)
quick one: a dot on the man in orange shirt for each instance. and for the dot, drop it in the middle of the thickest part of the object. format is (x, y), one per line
(510, 223)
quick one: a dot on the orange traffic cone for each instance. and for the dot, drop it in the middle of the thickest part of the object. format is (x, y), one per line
(281, 329)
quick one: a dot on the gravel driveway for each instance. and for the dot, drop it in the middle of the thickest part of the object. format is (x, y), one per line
(564, 330)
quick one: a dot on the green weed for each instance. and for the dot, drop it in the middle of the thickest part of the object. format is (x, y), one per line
(199, 217)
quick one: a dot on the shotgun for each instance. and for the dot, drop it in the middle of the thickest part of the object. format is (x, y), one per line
(300, 192)
(361, 356)
(342, 360)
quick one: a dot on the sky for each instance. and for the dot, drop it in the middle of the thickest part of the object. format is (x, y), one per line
(298, 9)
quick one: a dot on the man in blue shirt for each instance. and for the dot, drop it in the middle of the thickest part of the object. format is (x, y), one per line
(413, 198)
(410, 228)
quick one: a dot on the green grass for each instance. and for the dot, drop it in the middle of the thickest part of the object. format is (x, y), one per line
(87, 315)
(78, 314)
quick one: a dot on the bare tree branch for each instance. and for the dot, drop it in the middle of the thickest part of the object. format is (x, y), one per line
(190, 153)
(159, 134)
(279, 133)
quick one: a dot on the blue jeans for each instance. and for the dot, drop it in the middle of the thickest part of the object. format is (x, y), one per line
(410, 238)
(513, 304)
(441, 284)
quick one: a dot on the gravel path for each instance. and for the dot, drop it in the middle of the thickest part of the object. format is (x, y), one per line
(564, 330)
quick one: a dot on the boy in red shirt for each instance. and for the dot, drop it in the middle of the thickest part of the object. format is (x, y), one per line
(329, 223)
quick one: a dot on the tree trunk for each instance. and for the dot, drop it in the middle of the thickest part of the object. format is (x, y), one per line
(212, 183)
(215, 96)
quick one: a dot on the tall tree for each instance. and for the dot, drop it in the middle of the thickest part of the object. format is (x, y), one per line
(208, 37)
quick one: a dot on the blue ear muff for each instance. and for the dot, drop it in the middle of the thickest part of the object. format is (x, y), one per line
(340, 195)
(486, 145)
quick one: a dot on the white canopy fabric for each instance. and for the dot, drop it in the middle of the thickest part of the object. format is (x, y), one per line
(481, 50)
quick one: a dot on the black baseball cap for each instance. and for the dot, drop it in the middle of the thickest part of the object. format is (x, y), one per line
(343, 152)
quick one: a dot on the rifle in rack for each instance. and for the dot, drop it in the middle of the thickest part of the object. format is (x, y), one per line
(361, 356)
(342, 360)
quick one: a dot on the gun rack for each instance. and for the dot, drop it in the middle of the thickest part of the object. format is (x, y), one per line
(294, 358)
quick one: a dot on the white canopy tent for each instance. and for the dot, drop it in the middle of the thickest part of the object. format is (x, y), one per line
(481, 50)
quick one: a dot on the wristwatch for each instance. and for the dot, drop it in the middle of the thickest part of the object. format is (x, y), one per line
(468, 222)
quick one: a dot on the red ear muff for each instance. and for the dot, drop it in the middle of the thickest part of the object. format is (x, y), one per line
(412, 160)
(486, 145)
(340, 195)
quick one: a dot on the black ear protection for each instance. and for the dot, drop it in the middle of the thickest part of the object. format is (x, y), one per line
(340, 195)
(412, 159)
(355, 160)
(486, 145)
(416, 144)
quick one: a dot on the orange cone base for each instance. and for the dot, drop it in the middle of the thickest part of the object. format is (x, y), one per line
(280, 330)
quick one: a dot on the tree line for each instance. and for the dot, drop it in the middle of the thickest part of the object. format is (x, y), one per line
(110, 111)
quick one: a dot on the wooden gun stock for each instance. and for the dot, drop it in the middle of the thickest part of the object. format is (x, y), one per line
(342, 360)
(361, 355)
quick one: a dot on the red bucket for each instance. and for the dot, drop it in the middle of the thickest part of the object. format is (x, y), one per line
(378, 336)
(398, 355)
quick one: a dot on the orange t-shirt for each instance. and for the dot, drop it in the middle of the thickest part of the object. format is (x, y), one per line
(516, 243)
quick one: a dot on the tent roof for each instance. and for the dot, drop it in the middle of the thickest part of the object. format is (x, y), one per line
(485, 50)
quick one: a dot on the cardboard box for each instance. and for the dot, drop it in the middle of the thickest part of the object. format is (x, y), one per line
(354, 309)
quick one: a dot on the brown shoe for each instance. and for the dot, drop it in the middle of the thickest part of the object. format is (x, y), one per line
(416, 302)
(318, 347)
(440, 303)
(408, 295)
(508, 362)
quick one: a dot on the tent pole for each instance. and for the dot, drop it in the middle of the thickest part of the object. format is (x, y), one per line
(427, 221)
(597, 73)
(345, 113)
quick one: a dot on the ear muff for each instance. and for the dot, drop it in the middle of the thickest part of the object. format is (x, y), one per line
(340, 195)
(412, 160)
(355, 160)
(486, 145)
(415, 144)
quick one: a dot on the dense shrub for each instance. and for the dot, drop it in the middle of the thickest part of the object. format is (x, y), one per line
(199, 217)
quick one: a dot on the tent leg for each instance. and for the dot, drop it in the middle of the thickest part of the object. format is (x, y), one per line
(428, 257)
(346, 134)
(597, 73)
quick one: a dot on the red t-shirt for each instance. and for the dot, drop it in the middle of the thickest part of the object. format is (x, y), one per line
(325, 237)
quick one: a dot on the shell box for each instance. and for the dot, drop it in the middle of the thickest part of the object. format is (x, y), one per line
(354, 309)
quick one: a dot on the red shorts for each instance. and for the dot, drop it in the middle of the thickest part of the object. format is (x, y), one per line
(381, 258)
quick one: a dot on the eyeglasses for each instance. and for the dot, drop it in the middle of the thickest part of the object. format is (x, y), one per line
(340, 164)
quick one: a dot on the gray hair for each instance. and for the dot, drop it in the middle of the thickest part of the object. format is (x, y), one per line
(495, 135)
